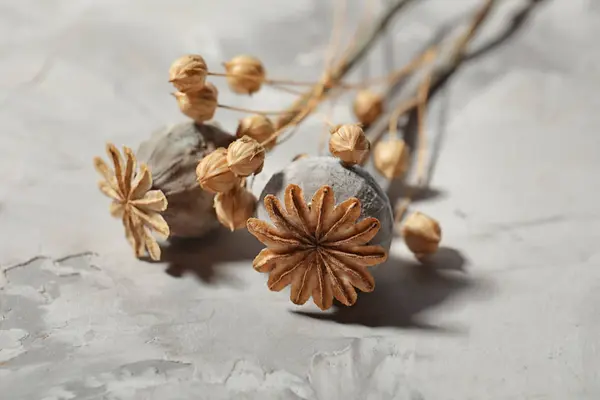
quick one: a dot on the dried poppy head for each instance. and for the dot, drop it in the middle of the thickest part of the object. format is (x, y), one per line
(214, 174)
(391, 158)
(233, 208)
(258, 127)
(349, 144)
(172, 154)
(245, 74)
(199, 106)
(188, 73)
(245, 156)
(367, 106)
(422, 234)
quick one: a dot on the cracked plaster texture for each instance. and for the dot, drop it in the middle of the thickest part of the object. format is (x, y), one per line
(510, 311)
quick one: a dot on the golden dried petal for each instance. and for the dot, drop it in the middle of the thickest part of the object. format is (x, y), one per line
(345, 293)
(360, 255)
(153, 220)
(321, 206)
(359, 276)
(323, 291)
(154, 200)
(297, 209)
(141, 184)
(272, 237)
(281, 219)
(342, 290)
(343, 217)
(134, 234)
(304, 280)
(129, 169)
(117, 209)
(360, 233)
(151, 246)
(115, 156)
(282, 274)
(108, 190)
(267, 259)
(103, 169)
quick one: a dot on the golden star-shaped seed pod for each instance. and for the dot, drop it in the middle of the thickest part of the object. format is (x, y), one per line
(133, 201)
(318, 249)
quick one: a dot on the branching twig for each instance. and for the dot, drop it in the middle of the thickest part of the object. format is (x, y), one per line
(337, 72)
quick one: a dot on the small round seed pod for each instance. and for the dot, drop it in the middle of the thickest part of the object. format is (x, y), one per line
(391, 158)
(201, 105)
(245, 156)
(245, 74)
(311, 173)
(258, 127)
(422, 234)
(214, 174)
(235, 207)
(172, 155)
(188, 73)
(367, 106)
(349, 144)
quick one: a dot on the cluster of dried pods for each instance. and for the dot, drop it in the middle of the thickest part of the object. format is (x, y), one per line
(224, 171)
(320, 248)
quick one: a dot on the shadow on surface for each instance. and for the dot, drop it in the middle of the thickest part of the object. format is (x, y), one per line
(405, 289)
(399, 189)
(200, 256)
(516, 23)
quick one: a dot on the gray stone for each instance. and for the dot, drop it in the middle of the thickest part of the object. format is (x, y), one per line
(172, 155)
(313, 172)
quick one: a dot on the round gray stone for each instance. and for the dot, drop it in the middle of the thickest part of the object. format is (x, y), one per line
(172, 155)
(313, 172)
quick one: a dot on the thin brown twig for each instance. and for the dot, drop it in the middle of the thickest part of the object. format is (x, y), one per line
(246, 110)
(266, 81)
(286, 89)
(433, 76)
(402, 109)
(421, 105)
(338, 26)
(363, 45)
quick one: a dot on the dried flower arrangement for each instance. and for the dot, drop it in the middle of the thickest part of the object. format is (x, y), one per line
(194, 175)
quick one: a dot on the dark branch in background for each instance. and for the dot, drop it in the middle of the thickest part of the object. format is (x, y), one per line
(360, 50)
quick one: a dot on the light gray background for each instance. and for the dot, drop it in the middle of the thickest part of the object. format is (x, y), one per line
(517, 195)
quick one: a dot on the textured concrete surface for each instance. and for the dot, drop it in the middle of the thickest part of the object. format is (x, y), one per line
(510, 311)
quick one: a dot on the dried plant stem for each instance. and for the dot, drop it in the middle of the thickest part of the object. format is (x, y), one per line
(421, 104)
(421, 121)
(286, 89)
(432, 77)
(397, 75)
(402, 109)
(246, 110)
(337, 72)
(266, 81)
(336, 34)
